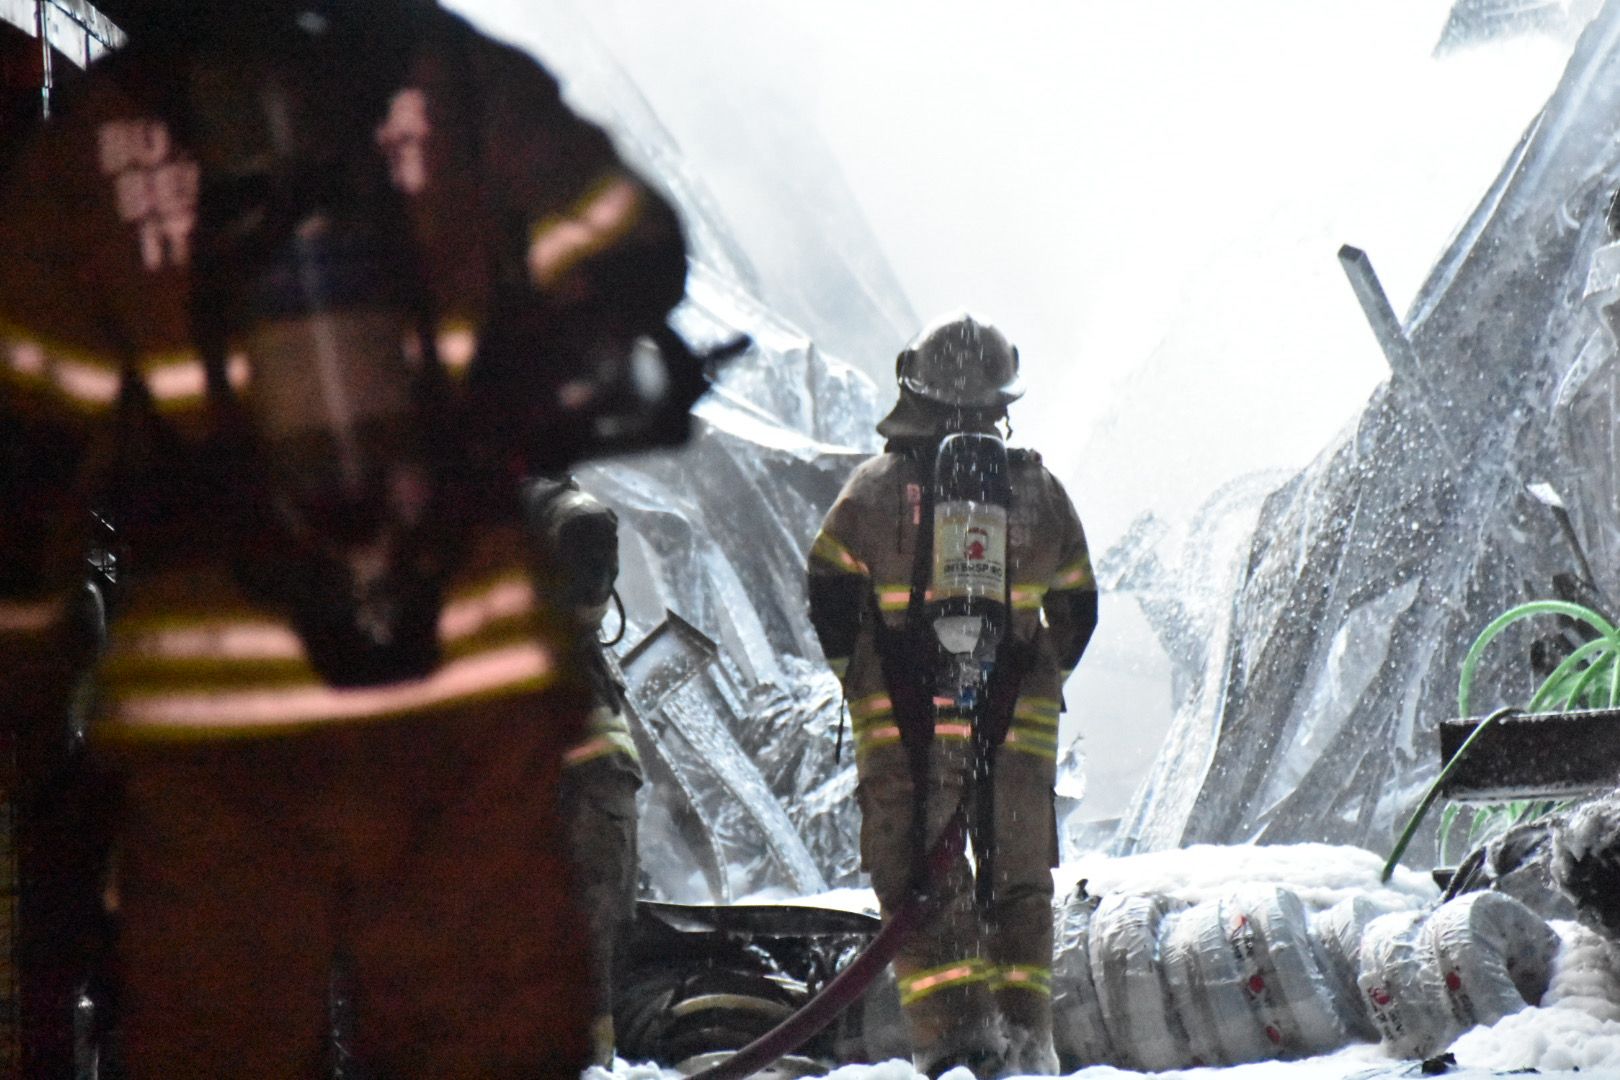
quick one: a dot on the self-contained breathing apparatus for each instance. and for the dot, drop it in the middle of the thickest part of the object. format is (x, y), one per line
(944, 664)
(346, 461)
(972, 605)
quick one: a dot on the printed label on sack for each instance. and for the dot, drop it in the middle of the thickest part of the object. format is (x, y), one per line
(1386, 1016)
(970, 551)
(1260, 982)
(1459, 1000)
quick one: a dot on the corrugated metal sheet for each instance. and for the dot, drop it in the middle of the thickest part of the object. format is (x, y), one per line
(96, 25)
(68, 38)
(20, 13)
(78, 30)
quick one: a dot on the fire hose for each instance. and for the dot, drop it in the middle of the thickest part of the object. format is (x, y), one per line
(850, 983)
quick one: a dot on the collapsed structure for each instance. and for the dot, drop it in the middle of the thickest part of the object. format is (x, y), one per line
(1309, 693)
(1310, 699)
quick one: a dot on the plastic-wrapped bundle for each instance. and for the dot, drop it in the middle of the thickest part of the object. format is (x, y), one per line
(1473, 961)
(1491, 956)
(1336, 933)
(1078, 1029)
(1207, 986)
(1127, 970)
(1268, 931)
(1409, 1022)
(1585, 974)
(1149, 982)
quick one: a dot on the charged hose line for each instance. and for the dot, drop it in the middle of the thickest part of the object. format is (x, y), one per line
(848, 985)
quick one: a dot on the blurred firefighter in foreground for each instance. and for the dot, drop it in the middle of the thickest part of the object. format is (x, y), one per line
(296, 294)
(952, 592)
(577, 566)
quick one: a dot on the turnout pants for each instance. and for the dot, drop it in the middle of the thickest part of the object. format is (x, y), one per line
(599, 814)
(969, 966)
(426, 852)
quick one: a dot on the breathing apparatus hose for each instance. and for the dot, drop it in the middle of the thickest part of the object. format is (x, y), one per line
(618, 602)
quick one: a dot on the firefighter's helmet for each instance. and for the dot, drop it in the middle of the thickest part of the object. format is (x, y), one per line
(961, 362)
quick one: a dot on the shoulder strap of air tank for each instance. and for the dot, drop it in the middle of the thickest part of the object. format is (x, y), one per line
(922, 547)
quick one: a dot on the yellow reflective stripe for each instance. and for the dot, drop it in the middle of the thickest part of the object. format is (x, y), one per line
(1037, 710)
(893, 597)
(860, 723)
(27, 360)
(523, 666)
(134, 674)
(1032, 977)
(871, 705)
(561, 241)
(83, 381)
(604, 719)
(31, 616)
(829, 549)
(175, 379)
(882, 733)
(872, 726)
(476, 609)
(1032, 743)
(213, 640)
(248, 639)
(915, 987)
(180, 380)
(598, 746)
(456, 343)
(1076, 575)
(839, 665)
(1028, 597)
(216, 651)
(1034, 728)
(873, 737)
(86, 384)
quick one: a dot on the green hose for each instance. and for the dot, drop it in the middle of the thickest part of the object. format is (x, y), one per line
(1568, 684)
(1434, 791)
(1502, 621)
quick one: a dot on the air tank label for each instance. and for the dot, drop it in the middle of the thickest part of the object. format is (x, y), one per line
(970, 551)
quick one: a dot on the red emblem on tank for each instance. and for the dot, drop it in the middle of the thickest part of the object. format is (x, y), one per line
(973, 546)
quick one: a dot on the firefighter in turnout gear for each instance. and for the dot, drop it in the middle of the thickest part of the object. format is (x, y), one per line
(296, 294)
(976, 982)
(576, 539)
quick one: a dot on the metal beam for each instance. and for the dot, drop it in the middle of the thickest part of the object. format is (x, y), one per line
(1537, 756)
(76, 29)
(1386, 325)
(1392, 340)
